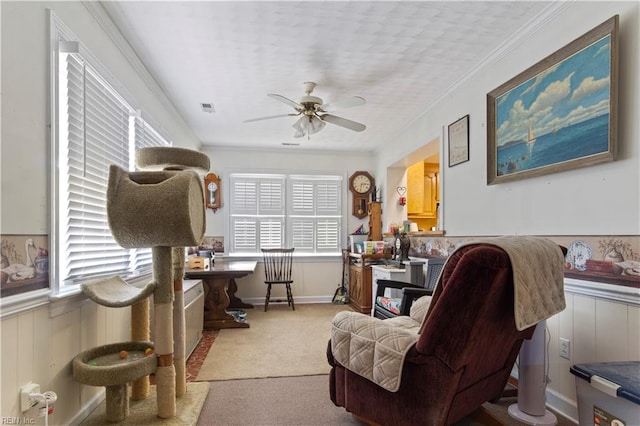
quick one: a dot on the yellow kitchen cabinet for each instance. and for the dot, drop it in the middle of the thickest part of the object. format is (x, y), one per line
(423, 192)
(415, 188)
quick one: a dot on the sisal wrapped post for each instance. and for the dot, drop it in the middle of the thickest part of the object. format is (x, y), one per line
(140, 331)
(163, 306)
(179, 323)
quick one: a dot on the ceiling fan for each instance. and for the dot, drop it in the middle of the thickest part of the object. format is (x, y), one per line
(314, 114)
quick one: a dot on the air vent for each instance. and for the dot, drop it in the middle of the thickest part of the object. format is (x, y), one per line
(208, 107)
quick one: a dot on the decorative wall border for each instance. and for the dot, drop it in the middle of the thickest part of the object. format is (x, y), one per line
(602, 259)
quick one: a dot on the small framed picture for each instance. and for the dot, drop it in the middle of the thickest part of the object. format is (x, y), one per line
(459, 141)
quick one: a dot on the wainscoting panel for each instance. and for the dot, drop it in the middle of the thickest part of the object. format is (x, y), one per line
(612, 329)
(601, 328)
(634, 332)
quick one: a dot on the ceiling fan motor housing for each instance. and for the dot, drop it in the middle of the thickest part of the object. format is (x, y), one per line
(310, 102)
(314, 116)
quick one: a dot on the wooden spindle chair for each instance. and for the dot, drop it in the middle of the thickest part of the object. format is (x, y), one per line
(278, 264)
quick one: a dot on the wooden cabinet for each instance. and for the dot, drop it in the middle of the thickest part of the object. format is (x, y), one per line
(360, 286)
(423, 190)
(375, 221)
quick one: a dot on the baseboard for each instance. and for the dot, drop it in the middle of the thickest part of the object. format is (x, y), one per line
(562, 405)
(88, 408)
(298, 300)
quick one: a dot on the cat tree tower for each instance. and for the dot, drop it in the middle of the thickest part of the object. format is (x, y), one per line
(161, 207)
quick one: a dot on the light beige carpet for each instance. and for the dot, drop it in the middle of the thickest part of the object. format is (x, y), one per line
(279, 343)
(145, 412)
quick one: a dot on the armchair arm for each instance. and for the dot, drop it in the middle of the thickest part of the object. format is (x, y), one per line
(383, 284)
(409, 295)
(372, 348)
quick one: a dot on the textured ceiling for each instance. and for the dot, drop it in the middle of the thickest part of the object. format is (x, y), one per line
(399, 56)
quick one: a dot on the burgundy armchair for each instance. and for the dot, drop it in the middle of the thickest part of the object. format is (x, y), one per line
(463, 355)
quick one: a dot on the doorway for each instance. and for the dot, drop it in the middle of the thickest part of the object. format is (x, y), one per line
(419, 176)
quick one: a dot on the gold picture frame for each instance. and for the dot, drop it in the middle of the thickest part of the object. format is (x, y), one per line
(559, 114)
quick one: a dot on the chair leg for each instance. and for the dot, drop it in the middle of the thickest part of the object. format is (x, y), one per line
(266, 299)
(290, 297)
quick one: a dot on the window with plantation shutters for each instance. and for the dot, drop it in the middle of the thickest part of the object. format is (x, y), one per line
(270, 211)
(257, 212)
(96, 127)
(315, 213)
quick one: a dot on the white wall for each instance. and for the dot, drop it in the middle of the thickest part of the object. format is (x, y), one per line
(601, 199)
(39, 344)
(225, 160)
(316, 279)
(26, 112)
(597, 200)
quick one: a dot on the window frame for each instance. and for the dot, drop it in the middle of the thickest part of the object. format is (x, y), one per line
(60, 35)
(288, 175)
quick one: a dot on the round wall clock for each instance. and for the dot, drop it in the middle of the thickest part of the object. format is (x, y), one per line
(361, 184)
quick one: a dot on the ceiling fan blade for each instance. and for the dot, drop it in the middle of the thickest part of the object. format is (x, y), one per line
(287, 101)
(269, 117)
(343, 122)
(351, 102)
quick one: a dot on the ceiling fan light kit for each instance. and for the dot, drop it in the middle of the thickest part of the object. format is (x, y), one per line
(314, 112)
(308, 125)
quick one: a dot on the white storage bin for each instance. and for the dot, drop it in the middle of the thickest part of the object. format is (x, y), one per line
(608, 393)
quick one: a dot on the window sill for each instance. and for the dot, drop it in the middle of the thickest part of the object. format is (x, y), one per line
(58, 304)
(63, 303)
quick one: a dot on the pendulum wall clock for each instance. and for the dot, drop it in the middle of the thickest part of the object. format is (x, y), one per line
(361, 185)
(213, 200)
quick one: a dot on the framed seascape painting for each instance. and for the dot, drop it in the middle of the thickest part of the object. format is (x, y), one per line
(559, 114)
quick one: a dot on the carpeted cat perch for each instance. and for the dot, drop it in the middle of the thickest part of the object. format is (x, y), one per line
(161, 207)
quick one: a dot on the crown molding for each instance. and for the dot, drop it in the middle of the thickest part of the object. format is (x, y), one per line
(288, 149)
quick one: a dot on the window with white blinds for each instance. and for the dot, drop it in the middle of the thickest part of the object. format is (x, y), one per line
(96, 128)
(270, 211)
(144, 136)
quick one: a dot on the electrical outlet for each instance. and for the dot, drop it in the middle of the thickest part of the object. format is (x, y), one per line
(565, 348)
(26, 401)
